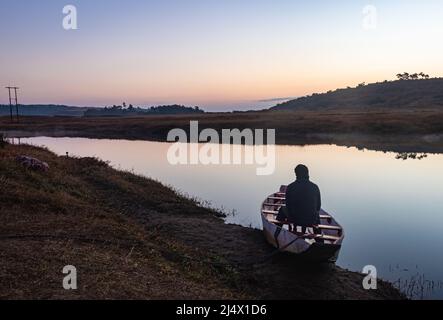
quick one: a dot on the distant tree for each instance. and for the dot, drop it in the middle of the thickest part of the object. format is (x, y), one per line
(413, 76)
(404, 76)
(361, 84)
(124, 105)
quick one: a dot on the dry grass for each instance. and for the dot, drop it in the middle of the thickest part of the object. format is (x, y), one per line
(401, 130)
(75, 215)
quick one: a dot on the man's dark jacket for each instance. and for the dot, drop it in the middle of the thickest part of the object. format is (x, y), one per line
(303, 203)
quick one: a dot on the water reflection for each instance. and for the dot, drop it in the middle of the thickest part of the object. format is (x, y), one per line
(391, 210)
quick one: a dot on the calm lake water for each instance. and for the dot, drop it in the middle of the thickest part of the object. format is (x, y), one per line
(391, 209)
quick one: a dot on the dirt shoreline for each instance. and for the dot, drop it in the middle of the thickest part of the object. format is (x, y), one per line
(133, 238)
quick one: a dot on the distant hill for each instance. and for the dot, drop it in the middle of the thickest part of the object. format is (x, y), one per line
(115, 111)
(123, 111)
(45, 110)
(426, 93)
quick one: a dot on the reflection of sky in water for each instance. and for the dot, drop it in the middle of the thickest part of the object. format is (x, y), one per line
(392, 210)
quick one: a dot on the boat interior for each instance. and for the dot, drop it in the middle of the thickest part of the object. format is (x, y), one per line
(330, 231)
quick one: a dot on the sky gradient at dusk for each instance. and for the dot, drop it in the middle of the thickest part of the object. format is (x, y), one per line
(218, 54)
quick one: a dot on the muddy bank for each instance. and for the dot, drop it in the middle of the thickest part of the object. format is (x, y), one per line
(133, 238)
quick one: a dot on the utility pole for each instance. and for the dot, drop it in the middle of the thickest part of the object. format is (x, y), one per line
(15, 99)
(16, 104)
(10, 102)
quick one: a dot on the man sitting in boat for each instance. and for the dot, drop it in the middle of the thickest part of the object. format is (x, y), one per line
(303, 201)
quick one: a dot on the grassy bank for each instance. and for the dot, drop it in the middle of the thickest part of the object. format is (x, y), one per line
(411, 130)
(133, 238)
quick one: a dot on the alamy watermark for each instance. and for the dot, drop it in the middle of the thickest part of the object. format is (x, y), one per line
(232, 147)
(370, 17)
(70, 17)
(370, 281)
(369, 22)
(70, 280)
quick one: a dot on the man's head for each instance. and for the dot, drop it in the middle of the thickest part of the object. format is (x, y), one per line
(302, 172)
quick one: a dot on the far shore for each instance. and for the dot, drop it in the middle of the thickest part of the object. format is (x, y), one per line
(412, 131)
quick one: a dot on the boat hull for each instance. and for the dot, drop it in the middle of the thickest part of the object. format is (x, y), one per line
(279, 235)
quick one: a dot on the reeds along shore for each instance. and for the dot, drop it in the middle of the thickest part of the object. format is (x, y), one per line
(411, 130)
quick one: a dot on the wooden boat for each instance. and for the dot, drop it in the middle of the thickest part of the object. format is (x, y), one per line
(324, 247)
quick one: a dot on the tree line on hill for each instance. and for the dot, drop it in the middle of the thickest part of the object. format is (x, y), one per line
(413, 76)
(130, 110)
